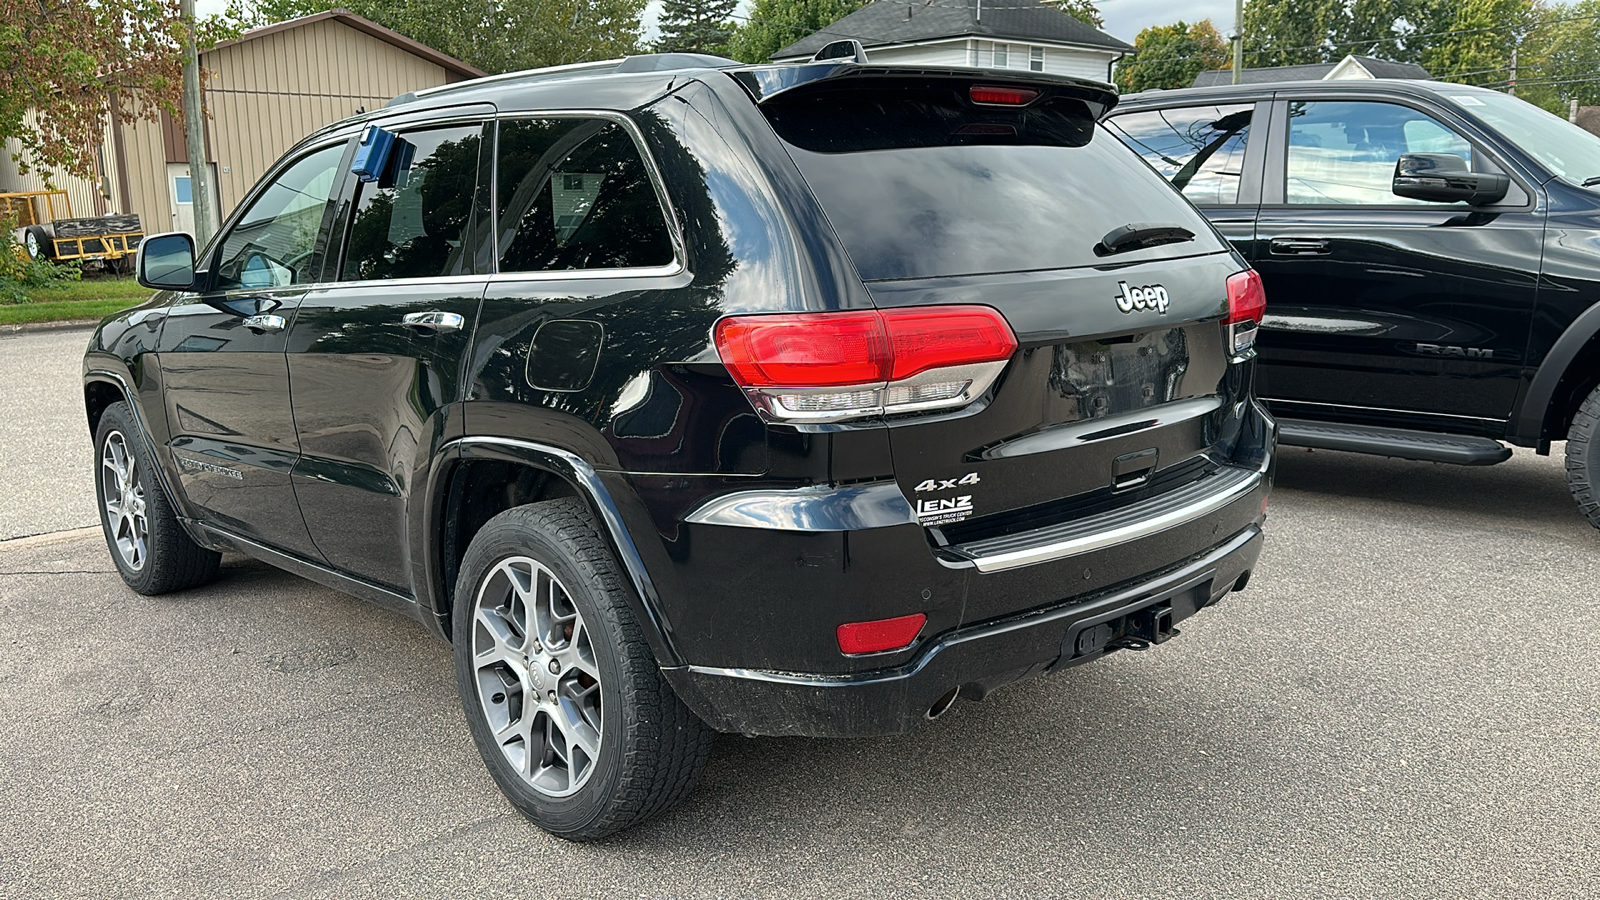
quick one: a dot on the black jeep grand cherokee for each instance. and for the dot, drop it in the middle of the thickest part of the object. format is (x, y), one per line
(687, 397)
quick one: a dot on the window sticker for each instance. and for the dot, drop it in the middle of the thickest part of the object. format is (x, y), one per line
(1468, 101)
(572, 196)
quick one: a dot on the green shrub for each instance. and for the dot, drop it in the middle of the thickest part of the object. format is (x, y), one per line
(19, 275)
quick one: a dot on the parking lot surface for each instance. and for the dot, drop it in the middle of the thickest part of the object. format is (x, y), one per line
(1402, 704)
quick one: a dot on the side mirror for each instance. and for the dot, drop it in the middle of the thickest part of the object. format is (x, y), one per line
(1446, 178)
(166, 262)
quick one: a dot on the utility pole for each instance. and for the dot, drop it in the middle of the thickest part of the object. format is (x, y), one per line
(1238, 39)
(1573, 115)
(1511, 86)
(194, 126)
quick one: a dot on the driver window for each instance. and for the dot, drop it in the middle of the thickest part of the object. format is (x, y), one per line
(1344, 153)
(274, 243)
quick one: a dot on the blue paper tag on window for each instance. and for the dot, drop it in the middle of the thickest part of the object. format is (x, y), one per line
(372, 153)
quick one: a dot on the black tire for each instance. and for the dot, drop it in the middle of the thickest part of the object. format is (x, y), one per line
(1583, 458)
(651, 748)
(167, 559)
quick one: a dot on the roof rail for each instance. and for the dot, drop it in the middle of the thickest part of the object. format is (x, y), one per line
(531, 75)
(648, 62)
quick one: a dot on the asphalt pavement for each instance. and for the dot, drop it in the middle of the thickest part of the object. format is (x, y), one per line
(46, 456)
(1402, 704)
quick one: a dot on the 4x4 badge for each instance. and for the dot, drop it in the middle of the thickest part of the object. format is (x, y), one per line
(945, 484)
(1151, 296)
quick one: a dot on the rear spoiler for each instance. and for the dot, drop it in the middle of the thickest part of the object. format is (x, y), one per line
(766, 83)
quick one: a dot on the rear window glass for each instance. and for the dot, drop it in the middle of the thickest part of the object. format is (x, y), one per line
(922, 183)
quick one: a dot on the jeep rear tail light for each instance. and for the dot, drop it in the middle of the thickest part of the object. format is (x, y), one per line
(1247, 304)
(827, 367)
(881, 635)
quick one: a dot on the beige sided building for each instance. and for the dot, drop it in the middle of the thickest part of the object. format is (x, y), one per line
(263, 91)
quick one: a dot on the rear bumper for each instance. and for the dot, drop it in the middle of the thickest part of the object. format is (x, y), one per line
(975, 659)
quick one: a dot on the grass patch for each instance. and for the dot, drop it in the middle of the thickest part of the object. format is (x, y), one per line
(91, 298)
(61, 310)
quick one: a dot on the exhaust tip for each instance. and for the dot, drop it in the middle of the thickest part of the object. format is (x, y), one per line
(943, 704)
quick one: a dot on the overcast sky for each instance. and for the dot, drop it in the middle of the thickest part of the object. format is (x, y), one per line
(1124, 18)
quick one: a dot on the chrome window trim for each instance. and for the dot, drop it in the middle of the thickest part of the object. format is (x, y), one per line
(663, 201)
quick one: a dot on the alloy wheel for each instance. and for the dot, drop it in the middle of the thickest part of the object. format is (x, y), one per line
(537, 681)
(122, 493)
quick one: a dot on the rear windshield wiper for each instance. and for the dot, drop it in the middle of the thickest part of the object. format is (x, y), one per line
(1591, 182)
(1139, 235)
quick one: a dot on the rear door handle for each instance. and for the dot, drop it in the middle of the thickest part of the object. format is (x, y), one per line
(264, 324)
(433, 322)
(1300, 246)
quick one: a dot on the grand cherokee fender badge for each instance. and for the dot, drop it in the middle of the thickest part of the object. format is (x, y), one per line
(1151, 296)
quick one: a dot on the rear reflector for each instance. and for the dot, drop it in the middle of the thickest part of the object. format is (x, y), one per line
(992, 95)
(880, 635)
(1247, 305)
(833, 366)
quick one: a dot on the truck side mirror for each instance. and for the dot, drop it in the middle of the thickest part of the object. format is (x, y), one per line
(1446, 178)
(166, 262)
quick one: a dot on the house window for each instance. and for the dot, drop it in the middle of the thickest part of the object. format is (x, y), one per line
(1036, 59)
(1002, 56)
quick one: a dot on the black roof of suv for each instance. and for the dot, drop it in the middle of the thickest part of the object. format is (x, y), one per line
(777, 400)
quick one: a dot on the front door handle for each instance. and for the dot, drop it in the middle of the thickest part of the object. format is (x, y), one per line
(433, 322)
(265, 324)
(1300, 246)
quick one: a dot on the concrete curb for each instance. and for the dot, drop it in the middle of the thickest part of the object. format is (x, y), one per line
(66, 325)
(51, 537)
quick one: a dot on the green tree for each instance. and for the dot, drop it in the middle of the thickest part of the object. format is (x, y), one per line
(494, 35)
(1559, 59)
(1291, 34)
(1082, 10)
(775, 24)
(62, 63)
(696, 26)
(1170, 56)
(1478, 39)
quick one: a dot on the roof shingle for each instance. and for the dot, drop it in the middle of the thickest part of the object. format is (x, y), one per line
(909, 21)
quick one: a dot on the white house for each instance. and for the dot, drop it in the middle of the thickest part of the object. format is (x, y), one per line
(1343, 70)
(1002, 34)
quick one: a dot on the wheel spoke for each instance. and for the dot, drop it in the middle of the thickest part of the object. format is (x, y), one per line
(527, 630)
(503, 642)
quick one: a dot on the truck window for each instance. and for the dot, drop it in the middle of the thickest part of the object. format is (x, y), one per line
(1200, 149)
(1344, 152)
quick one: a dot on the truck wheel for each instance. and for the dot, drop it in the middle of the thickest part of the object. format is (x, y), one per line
(36, 242)
(1583, 458)
(565, 701)
(152, 552)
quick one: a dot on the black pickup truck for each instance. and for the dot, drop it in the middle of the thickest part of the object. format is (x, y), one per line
(1431, 251)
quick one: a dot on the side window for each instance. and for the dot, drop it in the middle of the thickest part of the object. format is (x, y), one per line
(420, 218)
(575, 194)
(274, 243)
(1200, 149)
(1344, 152)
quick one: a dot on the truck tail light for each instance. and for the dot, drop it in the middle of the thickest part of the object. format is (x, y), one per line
(880, 635)
(827, 367)
(1247, 304)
